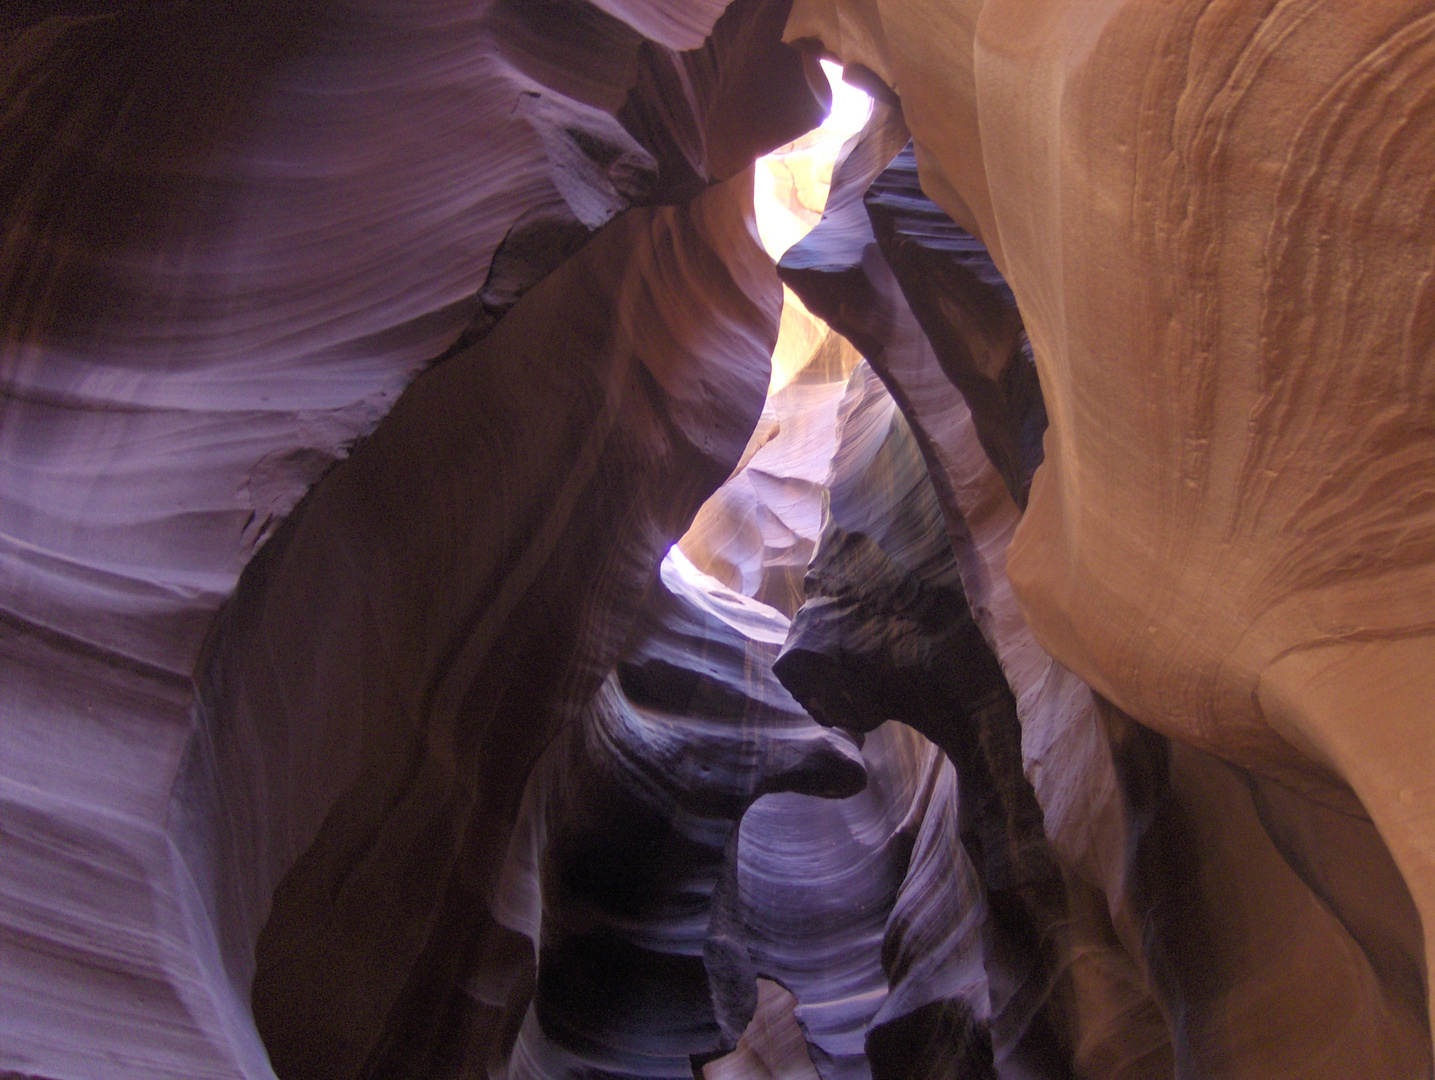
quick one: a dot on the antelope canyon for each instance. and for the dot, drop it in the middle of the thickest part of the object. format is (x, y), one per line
(704, 540)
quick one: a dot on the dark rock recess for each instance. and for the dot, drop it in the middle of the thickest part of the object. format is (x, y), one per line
(435, 646)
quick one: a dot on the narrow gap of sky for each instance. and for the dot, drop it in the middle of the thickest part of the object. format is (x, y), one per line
(792, 182)
(789, 194)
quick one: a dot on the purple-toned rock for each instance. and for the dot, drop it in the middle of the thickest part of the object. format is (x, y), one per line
(623, 867)
(968, 315)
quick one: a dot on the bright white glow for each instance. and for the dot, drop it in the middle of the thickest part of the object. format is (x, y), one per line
(790, 190)
(750, 617)
(850, 106)
(789, 193)
(792, 182)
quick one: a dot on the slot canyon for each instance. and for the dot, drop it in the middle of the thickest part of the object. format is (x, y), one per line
(705, 540)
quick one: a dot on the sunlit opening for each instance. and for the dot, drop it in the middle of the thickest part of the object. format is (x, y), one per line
(789, 195)
(792, 181)
(751, 542)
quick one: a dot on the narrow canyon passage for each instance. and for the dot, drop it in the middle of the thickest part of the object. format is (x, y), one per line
(771, 540)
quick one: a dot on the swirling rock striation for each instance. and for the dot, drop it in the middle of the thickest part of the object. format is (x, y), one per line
(623, 868)
(1227, 290)
(886, 633)
(758, 531)
(819, 880)
(210, 294)
(968, 314)
(358, 364)
(1131, 820)
(478, 677)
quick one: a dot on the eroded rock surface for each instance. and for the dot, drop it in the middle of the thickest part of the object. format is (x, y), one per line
(1226, 287)
(360, 365)
(1125, 814)
(623, 869)
(480, 675)
(886, 634)
(211, 293)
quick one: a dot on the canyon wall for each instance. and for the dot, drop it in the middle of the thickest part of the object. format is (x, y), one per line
(1169, 963)
(233, 240)
(1214, 220)
(458, 619)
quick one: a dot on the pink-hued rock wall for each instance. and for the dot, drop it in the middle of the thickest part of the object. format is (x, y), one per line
(233, 238)
(461, 616)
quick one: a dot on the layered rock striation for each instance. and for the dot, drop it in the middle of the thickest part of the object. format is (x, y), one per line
(623, 871)
(1129, 815)
(1214, 220)
(211, 292)
(438, 552)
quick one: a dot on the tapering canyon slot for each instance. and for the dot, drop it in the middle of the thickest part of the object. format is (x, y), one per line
(771, 540)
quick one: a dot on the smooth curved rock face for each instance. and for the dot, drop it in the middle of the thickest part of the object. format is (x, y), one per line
(1127, 816)
(969, 316)
(886, 633)
(843, 276)
(623, 869)
(628, 345)
(358, 364)
(818, 881)
(868, 909)
(772, 1047)
(210, 294)
(758, 531)
(1215, 220)
(1242, 943)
